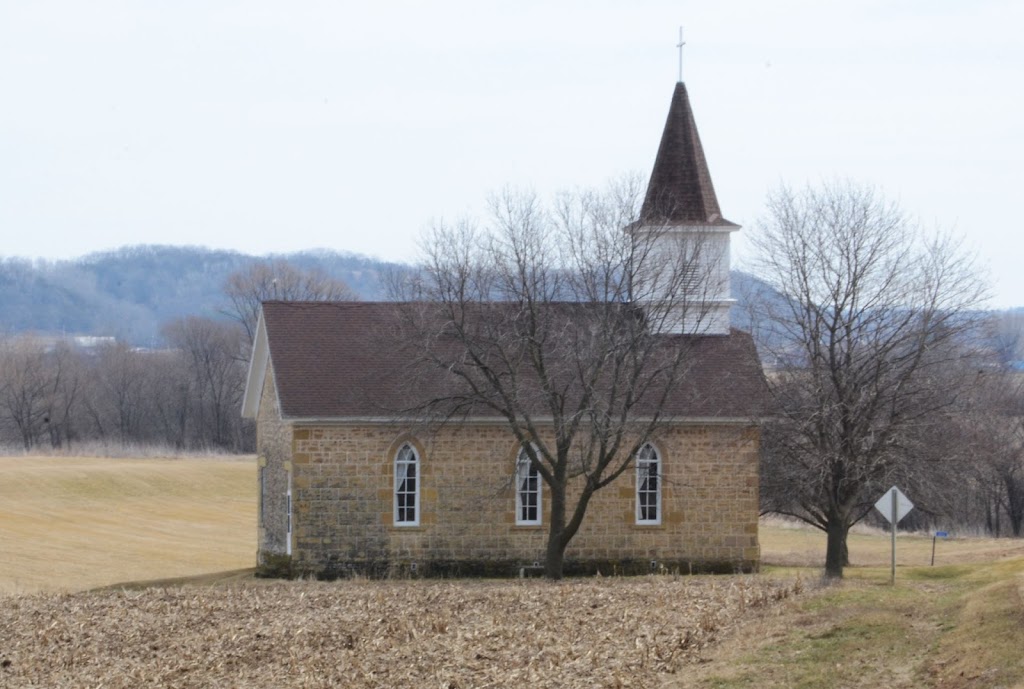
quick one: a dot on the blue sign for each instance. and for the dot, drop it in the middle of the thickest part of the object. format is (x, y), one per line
(941, 534)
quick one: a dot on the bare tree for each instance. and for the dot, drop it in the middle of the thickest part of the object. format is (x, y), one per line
(65, 369)
(868, 329)
(172, 391)
(211, 349)
(557, 322)
(1006, 333)
(39, 389)
(1004, 464)
(26, 388)
(278, 279)
(118, 395)
(992, 431)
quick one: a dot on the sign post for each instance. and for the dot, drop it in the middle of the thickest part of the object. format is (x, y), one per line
(938, 534)
(894, 506)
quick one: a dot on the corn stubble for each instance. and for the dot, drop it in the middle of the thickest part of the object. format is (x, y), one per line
(609, 632)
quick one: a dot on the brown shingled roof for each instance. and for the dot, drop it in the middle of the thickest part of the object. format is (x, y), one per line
(337, 360)
(680, 190)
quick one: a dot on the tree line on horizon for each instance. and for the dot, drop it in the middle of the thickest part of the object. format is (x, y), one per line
(57, 393)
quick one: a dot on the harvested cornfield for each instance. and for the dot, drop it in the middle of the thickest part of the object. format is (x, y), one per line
(611, 632)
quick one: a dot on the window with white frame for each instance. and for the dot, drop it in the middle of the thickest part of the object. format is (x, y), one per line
(528, 490)
(648, 486)
(407, 486)
(288, 513)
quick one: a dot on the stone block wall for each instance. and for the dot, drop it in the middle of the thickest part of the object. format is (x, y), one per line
(274, 448)
(343, 484)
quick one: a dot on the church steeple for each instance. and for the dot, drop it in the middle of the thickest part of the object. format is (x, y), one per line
(680, 191)
(681, 217)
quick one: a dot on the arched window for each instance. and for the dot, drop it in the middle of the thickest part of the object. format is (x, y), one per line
(648, 486)
(288, 516)
(528, 490)
(407, 486)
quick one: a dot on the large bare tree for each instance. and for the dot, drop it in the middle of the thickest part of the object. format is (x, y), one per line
(868, 322)
(536, 317)
(278, 279)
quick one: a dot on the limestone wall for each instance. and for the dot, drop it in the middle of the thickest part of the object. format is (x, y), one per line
(274, 447)
(343, 503)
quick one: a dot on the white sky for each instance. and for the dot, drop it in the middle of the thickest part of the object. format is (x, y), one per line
(271, 126)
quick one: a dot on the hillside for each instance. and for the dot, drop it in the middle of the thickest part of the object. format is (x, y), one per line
(131, 292)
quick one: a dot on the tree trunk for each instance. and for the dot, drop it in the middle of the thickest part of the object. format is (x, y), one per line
(1014, 503)
(1017, 524)
(836, 553)
(1015, 511)
(554, 556)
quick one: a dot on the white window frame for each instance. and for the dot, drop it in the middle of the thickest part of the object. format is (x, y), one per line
(289, 523)
(646, 458)
(525, 471)
(405, 459)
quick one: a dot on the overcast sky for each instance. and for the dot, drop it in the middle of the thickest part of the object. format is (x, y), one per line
(268, 126)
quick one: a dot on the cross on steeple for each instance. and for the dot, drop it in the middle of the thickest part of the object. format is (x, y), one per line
(680, 45)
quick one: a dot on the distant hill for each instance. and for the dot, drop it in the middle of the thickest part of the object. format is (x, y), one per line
(131, 292)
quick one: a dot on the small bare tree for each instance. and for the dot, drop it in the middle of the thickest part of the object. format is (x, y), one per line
(867, 323)
(278, 279)
(557, 322)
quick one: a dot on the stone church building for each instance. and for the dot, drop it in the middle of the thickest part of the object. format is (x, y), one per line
(347, 484)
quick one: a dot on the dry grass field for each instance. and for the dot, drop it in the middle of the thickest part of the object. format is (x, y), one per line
(948, 627)
(72, 524)
(788, 544)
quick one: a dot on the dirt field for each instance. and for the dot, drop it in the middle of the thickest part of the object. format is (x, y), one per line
(611, 632)
(72, 523)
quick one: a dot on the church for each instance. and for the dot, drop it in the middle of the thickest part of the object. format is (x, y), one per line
(348, 484)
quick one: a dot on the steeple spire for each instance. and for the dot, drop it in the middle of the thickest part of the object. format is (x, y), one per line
(680, 190)
(680, 45)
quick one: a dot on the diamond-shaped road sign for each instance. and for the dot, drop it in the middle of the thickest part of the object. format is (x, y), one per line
(903, 505)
